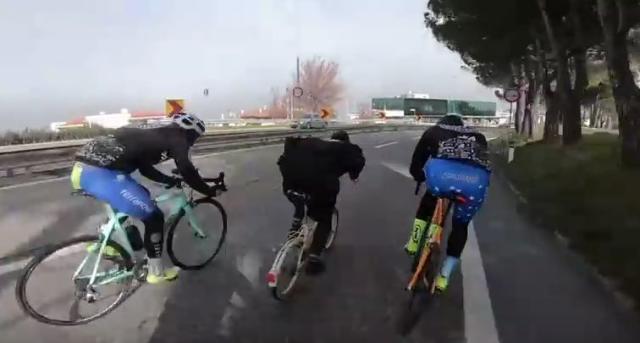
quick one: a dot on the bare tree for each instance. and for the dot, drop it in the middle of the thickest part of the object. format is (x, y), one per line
(278, 107)
(320, 84)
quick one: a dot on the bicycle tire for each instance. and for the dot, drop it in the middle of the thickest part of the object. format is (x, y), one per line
(334, 230)
(411, 310)
(173, 224)
(419, 297)
(21, 285)
(277, 265)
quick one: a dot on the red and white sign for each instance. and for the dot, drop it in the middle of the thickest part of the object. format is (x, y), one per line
(511, 95)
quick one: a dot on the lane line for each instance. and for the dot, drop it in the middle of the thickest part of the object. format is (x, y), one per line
(479, 320)
(33, 183)
(398, 168)
(385, 145)
(13, 266)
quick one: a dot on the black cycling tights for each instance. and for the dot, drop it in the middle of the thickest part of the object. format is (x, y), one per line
(154, 234)
(459, 230)
(320, 207)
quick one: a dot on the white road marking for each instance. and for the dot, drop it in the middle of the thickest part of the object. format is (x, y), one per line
(226, 322)
(249, 266)
(236, 150)
(385, 145)
(11, 267)
(33, 183)
(479, 320)
(416, 138)
(398, 168)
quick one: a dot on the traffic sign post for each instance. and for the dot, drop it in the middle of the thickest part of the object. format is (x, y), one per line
(511, 95)
(174, 106)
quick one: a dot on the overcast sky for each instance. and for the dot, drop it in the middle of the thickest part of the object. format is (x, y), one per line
(66, 58)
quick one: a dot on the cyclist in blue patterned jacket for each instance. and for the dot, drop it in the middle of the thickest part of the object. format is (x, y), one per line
(452, 160)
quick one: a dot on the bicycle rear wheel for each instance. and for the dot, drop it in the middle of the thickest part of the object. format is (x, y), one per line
(286, 269)
(186, 248)
(421, 294)
(56, 266)
(335, 222)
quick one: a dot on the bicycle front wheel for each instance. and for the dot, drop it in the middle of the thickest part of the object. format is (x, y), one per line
(54, 286)
(195, 240)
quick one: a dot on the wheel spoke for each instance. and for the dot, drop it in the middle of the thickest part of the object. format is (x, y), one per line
(196, 235)
(53, 296)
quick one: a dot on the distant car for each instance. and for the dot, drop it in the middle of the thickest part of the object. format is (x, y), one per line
(312, 121)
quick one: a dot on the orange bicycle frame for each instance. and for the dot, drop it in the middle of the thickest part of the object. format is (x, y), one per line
(439, 216)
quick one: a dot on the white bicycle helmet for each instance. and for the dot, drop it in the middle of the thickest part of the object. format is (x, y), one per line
(190, 122)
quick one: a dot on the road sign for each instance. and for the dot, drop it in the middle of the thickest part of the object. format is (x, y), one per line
(511, 95)
(297, 92)
(326, 113)
(174, 106)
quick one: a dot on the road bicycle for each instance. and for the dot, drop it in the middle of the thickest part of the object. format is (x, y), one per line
(425, 265)
(119, 248)
(291, 259)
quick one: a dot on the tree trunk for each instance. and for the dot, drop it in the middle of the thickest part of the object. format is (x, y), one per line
(530, 72)
(571, 127)
(550, 132)
(515, 71)
(625, 91)
(592, 114)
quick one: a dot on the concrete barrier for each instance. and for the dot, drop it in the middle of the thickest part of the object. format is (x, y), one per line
(46, 158)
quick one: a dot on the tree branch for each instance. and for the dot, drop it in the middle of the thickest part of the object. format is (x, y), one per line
(623, 19)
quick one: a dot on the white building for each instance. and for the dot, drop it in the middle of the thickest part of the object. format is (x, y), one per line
(110, 120)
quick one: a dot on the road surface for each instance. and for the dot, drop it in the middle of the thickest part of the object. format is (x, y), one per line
(517, 283)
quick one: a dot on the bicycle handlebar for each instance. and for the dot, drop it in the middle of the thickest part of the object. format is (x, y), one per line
(218, 182)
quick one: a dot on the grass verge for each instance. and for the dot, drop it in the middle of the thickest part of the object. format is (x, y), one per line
(582, 192)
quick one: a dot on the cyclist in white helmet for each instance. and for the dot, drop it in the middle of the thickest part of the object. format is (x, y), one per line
(103, 169)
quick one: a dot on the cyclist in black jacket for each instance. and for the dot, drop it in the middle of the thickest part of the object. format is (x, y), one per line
(104, 166)
(313, 166)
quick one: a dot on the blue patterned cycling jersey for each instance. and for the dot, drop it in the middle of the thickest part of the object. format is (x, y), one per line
(463, 147)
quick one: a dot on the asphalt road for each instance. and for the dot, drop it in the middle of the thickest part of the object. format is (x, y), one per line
(517, 283)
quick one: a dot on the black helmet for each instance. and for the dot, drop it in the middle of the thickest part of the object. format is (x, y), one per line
(340, 135)
(451, 120)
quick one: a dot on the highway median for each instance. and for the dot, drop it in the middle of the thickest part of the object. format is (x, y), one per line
(41, 161)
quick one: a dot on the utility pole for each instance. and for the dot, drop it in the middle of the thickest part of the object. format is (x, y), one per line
(291, 95)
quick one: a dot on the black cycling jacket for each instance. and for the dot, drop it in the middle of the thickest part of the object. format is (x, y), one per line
(131, 149)
(449, 142)
(315, 165)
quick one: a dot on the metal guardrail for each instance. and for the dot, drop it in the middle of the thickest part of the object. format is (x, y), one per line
(47, 159)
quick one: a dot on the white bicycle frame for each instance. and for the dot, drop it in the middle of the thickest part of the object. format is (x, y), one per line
(305, 236)
(114, 230)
